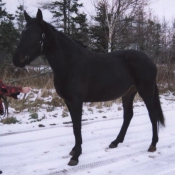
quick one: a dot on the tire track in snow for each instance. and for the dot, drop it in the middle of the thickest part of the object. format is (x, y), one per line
(107, 162)
(93, 165)
(65, 135)
(48, 138)
(159, 164)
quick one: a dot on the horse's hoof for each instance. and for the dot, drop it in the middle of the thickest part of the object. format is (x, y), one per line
(152, 149)
(0, 172)
(72, 153)
(112, 145)
(73, 163)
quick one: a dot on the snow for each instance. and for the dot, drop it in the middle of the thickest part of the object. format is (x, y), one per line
(28, 149)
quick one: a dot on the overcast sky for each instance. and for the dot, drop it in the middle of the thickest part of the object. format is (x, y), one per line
(161, 8)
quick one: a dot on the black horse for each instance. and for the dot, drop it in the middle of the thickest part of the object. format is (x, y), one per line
(83, 76)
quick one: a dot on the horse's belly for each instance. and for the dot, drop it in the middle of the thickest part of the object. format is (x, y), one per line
(106, 94)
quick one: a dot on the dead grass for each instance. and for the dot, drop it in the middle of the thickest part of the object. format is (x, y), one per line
(166, 78)
(33, 77)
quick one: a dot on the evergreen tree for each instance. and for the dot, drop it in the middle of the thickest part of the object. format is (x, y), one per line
(146, 34)
(2, 11)
(20, 18)
(99, 31)
(8, 34)
(153, 43)
(67, 18)
(79, 28)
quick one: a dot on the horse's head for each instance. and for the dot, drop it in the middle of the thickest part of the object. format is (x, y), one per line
(31, 42)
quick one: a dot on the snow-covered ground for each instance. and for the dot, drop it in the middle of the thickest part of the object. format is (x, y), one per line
(26, 149)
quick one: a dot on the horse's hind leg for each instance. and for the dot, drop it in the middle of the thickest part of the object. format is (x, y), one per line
(127, 100)
(151, 99)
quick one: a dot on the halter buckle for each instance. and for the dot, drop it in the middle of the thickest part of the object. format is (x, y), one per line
(43, 35)
(27, 57)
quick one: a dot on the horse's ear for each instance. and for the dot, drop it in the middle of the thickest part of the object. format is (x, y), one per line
(39, 15)
(27, 17)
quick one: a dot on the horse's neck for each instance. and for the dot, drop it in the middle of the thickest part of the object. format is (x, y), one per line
(61, 52)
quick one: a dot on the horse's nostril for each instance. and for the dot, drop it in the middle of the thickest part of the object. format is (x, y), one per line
(21, 57)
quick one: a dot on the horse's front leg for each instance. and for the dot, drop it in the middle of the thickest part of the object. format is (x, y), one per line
(75, 109)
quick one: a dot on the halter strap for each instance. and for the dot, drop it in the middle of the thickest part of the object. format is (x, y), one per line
(41, 45)
(42, 41)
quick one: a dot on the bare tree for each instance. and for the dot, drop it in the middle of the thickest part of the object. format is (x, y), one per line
(117, 11)
(167, 53)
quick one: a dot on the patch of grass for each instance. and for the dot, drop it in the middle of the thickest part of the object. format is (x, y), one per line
(120, 108)
(50, 108)
(57, 102)
(10, 120)
(99, 105)
(46, 93)
(34, 116)
(91, 110)
(137, 98)
(65, 114)
(108, 104)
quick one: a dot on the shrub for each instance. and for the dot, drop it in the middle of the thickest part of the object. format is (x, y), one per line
(9, 120)
(34, 116)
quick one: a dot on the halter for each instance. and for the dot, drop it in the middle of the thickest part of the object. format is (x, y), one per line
(42, 41)
(41, 45)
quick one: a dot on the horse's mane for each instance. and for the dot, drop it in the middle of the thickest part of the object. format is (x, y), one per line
(78, 43)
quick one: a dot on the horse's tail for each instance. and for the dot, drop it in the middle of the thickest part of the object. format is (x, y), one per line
(160, 116)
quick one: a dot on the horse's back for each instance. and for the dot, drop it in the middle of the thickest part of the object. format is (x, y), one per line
(130, 63)
(110, 75)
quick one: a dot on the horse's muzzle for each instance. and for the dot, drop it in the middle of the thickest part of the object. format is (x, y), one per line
(19, 60)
